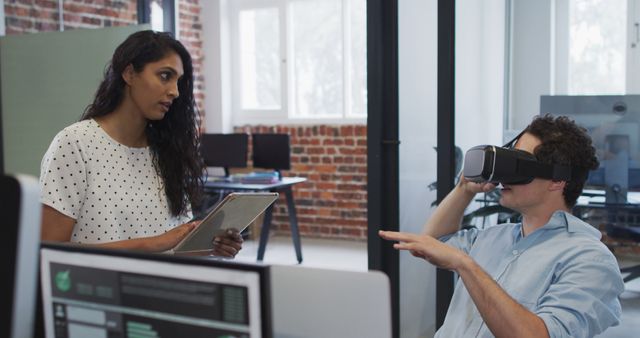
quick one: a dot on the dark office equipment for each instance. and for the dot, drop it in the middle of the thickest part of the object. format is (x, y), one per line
(20, 210)
(90, 292)
(271, 151)
(613, 122)
(225, 150)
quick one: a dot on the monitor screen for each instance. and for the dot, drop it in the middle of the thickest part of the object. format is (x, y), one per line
(613, 122)
(224, 150)
(104, 293)
(271, 151)
(20, 209)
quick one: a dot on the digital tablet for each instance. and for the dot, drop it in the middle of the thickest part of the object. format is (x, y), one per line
(236, 211)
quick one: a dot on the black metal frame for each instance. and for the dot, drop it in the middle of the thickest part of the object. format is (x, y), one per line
(169, 14)
(382, 135)
(382, 145)
(446, 135)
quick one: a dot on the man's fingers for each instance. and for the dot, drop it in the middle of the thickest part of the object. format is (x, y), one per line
(397, 236)
(404, 246)
(488, 187)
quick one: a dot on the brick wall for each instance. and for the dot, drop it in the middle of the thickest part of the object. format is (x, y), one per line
(191, 36)
(333, 202)
(31, 16)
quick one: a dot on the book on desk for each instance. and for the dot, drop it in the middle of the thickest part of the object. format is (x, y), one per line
(256, 177)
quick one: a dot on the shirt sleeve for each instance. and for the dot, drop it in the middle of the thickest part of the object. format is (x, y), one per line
(462, 239)
(63, 176)
(583, 301)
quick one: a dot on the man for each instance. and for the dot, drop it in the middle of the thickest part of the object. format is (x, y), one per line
(549, 276)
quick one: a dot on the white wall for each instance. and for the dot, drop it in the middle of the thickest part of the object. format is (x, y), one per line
(531, 59)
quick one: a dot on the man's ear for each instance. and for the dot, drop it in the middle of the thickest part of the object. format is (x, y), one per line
(557, 185)
(127, 74)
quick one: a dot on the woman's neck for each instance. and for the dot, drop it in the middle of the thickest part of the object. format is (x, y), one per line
(125, 127)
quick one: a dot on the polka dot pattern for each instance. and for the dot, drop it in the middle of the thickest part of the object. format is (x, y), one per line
(111, 190)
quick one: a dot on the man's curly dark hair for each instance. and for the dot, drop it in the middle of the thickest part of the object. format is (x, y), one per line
(564, 142)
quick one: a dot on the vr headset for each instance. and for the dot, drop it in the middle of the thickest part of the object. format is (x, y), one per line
(486, 163)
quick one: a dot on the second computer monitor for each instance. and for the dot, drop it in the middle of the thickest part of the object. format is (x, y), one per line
(225, 150)
(271, 151)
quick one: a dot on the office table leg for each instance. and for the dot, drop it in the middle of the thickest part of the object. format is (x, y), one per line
(264, 232)
(293, 221)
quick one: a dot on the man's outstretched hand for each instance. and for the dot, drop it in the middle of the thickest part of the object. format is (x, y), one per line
(428, 248)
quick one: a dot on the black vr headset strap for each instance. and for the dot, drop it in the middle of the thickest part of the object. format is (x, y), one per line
(542, 170)
(512, 143)
(533, 168)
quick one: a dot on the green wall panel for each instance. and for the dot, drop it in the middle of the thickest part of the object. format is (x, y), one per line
(47, 80)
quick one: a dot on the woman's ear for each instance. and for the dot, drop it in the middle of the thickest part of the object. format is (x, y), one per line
(127, 74)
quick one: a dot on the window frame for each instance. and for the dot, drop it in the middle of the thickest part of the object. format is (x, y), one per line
(286, 114)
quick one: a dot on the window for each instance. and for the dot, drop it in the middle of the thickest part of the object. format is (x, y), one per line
(295, 60)
(159, 13)
(597, 47)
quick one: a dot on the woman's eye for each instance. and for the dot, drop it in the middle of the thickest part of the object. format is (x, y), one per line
(165, 76)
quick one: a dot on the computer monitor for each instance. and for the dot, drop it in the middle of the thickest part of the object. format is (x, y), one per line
(613, 122)
(336, 303)
(271, 151)
(107, 293)
(224, 150)
(20, 209)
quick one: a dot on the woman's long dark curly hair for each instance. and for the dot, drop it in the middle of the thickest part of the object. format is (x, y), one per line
(174, 141)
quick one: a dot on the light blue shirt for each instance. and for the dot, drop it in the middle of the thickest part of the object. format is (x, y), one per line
(561, 272)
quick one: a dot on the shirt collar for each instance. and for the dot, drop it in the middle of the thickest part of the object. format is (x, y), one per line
(563, 219)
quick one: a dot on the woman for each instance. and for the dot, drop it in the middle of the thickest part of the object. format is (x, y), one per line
(125, 176)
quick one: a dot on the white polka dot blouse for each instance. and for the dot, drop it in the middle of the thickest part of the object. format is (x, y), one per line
(111, 190)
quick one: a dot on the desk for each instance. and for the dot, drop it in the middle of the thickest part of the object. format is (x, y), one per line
(215, 184)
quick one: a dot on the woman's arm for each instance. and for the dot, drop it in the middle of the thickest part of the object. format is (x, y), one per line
(57, 227)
